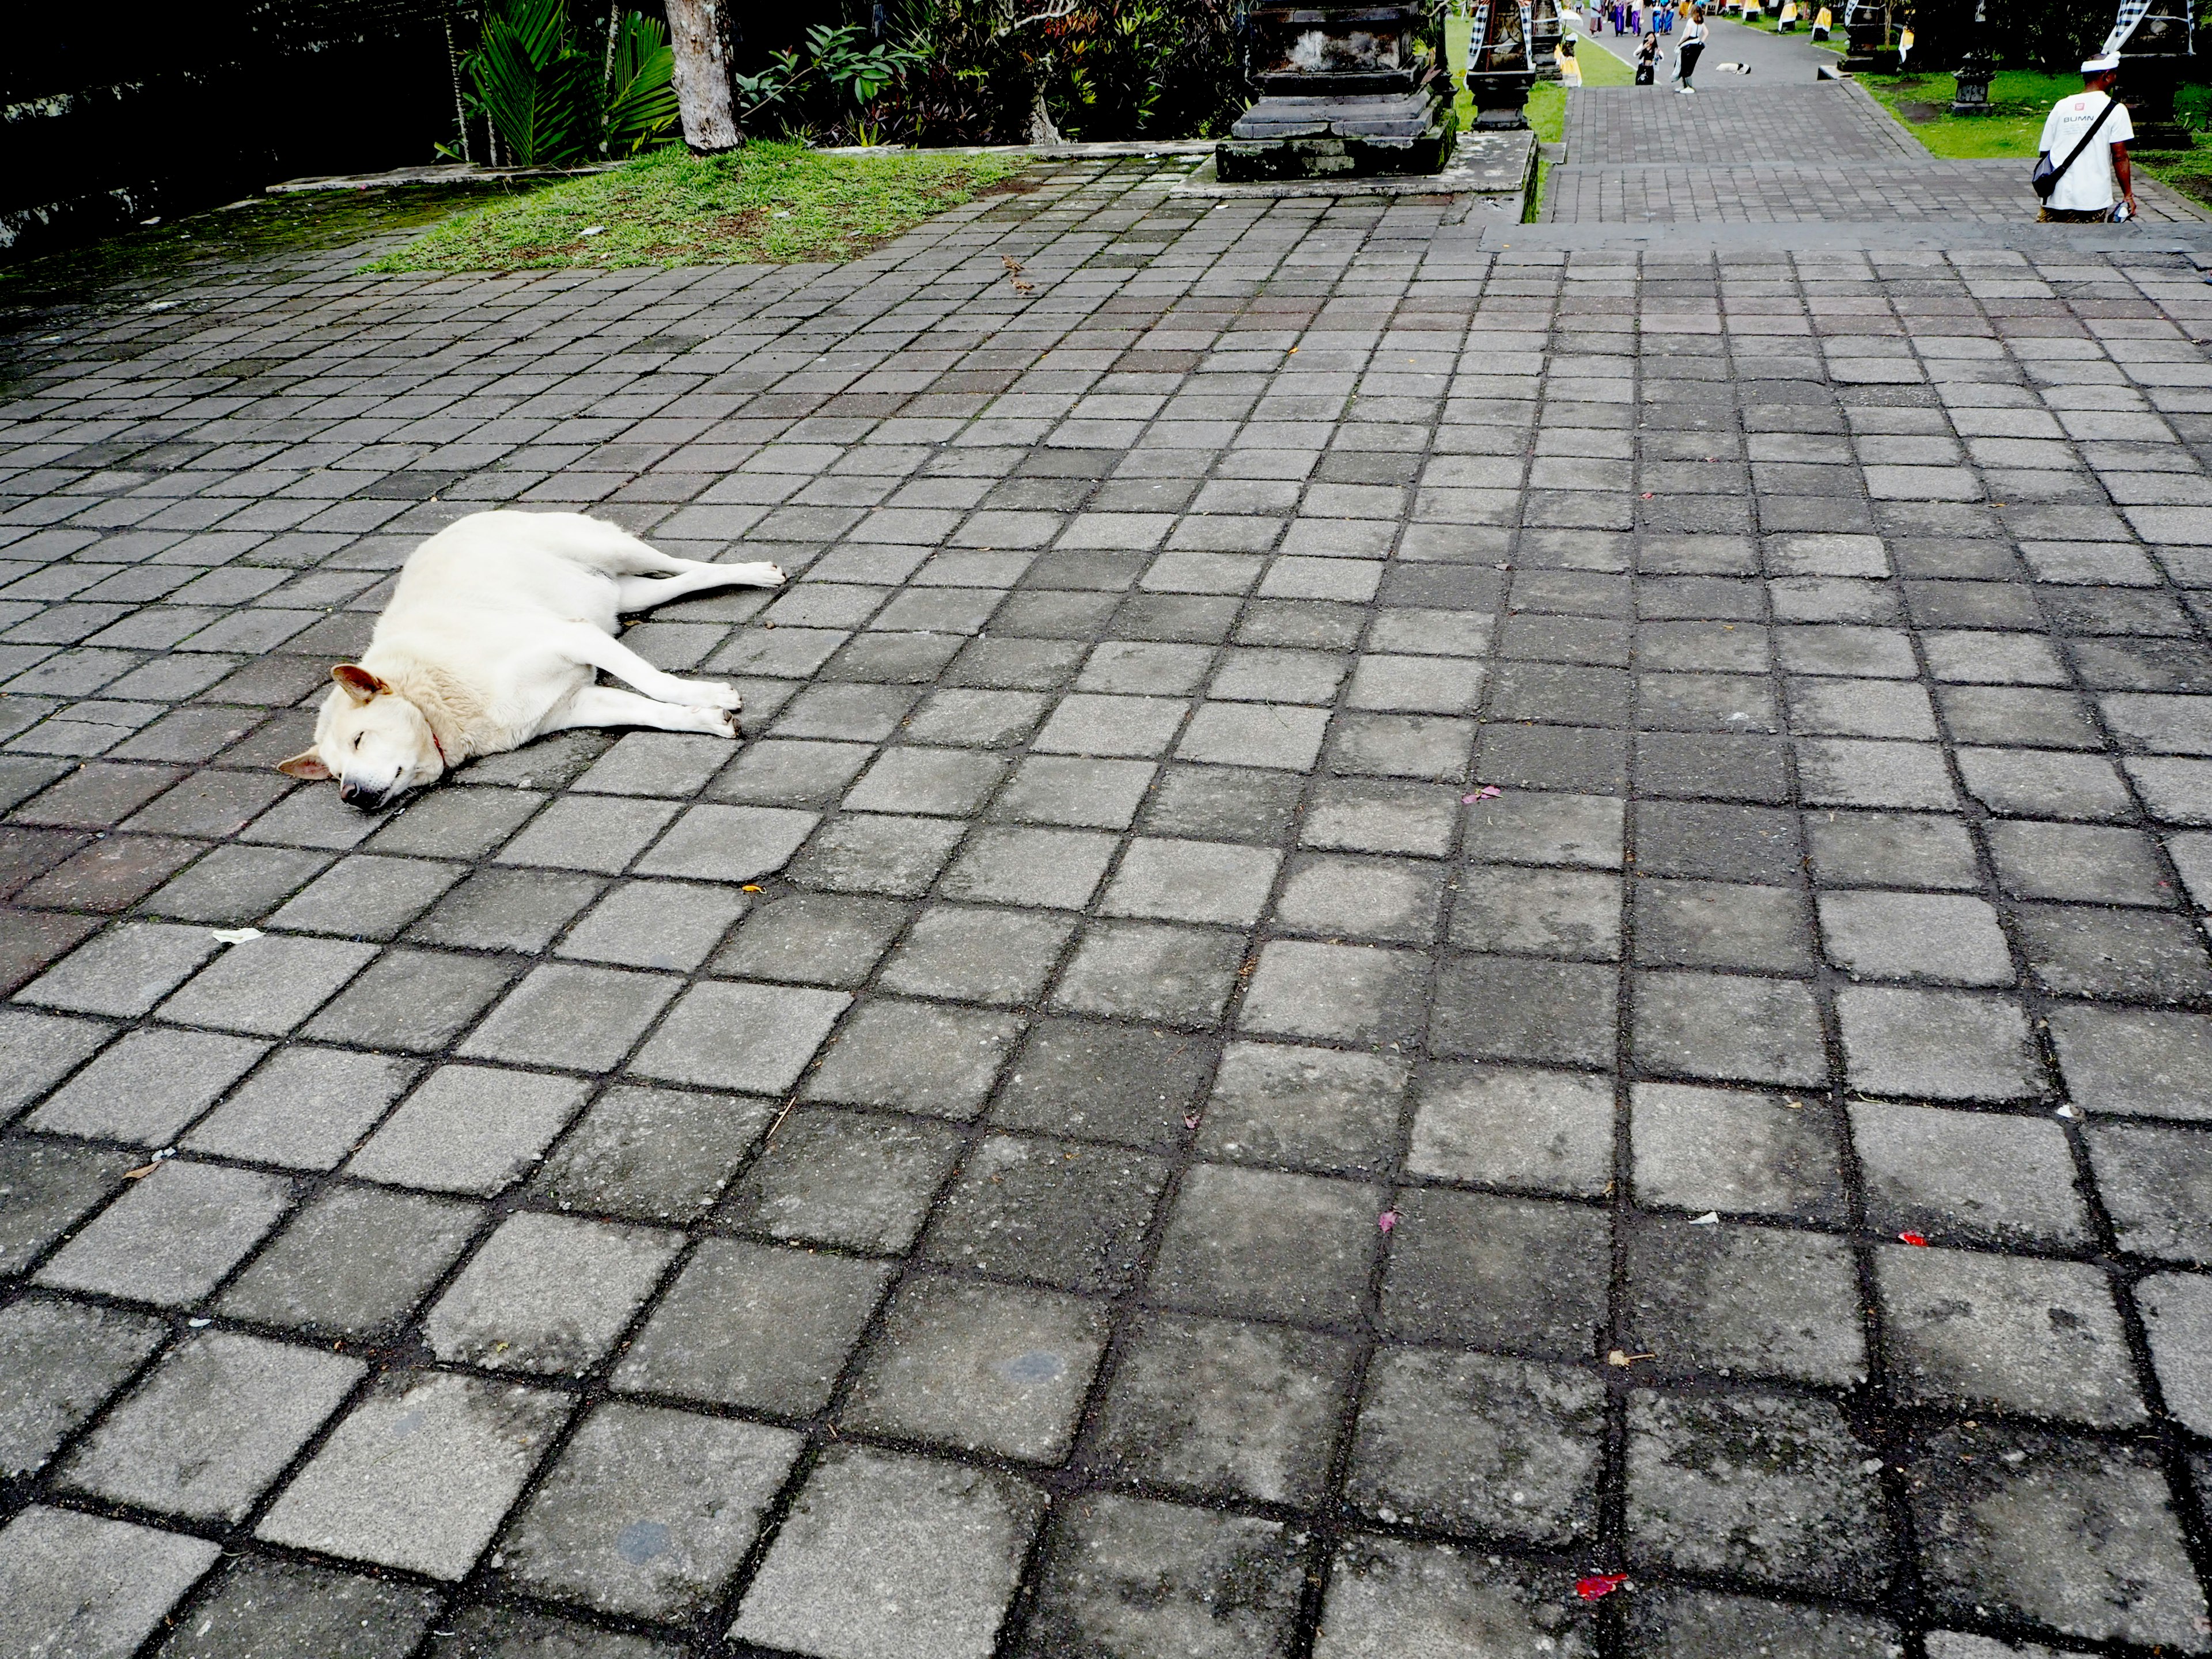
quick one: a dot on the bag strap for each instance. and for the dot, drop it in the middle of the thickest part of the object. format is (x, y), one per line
(2060, 172)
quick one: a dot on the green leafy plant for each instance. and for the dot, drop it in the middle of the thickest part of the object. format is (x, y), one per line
(840, 67)
(554, 102)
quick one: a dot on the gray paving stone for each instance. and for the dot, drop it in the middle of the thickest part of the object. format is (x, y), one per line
(1891, 850)
(668, 925)
(47, 1187)
(1501, 908)
(1520, 1275)
(1947, 938)
(1993, 1507)
(654, 1154)
(1275, 1104)
(1150, 971)
(122, 972)
(1766, 1488)
(982, 1368)
(1269, 1245)
(1341, 993)
(754, 1039)
(1731, 1300)
(547, 1294)
(418, 1001)
(1514, 1127)
(148, 1087)
(1209, 1406)
(1705, 1150)
(1386, 1596)
(2076, 862)
(305, 1109)
(1104, 1081)
(1129, 1575)
(1967, 1176)
(2132, 955)
(506, 910)
(813, 938)
(81, 1585)
(37, 1050)
(2039, 1338)
(1056, 1212)
(2156, 1185)
(724, 843)
(851, 1179)
(419, 1473)
(368, 897)
(915, 1057)
(264, 1608)
(1728, 1029)
(173, 1236)
(1475, 1445)
(1940, 1045)
(1205, 882)
(59, 1361)
(754, 1326)
(1673, 1624)
(648, 1512)
(885, 1556)
(1521, 828)
(2133, 1062)
(353, 1261)
(213, 1424)
(978, 955)
(583, 1019)
(469, 1129)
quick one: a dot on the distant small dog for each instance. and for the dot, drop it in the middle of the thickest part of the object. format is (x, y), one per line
(1731, 69)
(491, 639)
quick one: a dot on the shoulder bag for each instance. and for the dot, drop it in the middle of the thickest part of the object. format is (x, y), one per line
(2044, 180)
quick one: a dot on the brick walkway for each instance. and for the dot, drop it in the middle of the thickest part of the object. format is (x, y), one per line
(1094, 1132)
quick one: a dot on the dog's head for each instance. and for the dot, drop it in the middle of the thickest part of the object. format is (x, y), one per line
(374, 741)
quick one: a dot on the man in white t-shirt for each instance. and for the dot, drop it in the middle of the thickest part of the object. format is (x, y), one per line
(2100, 174)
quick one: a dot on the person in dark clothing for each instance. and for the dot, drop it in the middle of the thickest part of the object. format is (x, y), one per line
(1647, 60)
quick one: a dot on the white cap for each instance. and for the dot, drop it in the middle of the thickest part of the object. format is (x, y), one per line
(2100, 65)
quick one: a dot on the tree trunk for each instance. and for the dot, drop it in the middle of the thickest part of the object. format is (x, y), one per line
(702, 76)
(1041, 130)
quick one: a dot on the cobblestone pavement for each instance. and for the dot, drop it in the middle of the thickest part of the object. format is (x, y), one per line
(1759, 152)
(1398, 925)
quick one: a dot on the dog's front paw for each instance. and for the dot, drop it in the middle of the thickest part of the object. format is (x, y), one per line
(712, 694)
(718, 722)
(765, 575)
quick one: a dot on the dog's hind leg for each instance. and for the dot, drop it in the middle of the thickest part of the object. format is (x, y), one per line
(606, 705)
(635, 593)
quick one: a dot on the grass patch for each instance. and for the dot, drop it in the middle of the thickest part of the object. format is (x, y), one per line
(2019, 101)
(767, 203)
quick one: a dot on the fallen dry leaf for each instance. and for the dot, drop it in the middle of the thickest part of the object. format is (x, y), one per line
(1387, 1220)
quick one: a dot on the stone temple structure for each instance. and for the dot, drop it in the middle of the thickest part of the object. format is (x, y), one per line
(1345, 90)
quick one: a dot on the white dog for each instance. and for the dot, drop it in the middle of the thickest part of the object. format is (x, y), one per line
(491, 639)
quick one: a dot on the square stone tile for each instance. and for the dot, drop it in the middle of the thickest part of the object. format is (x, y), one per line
(985, 1368)
(262, 1604)
(2088, 863)
(1274, 1103)
(1946, 938)
(1891, 850)
(173, 1236)
(1128, 1573)
(648, 1511)
(547, 1293)
(1130, 1084)
(1434, 746)
(1941, 1045)
(1341, 993)
(520, 910)
(669, 925)
(917, 1057)
(1088, 794)
(1152, 971)
(791, 772)
(2177, 1317)
(885, 1556)
(655, 763)
(849, 1179)
(813, 938)
(216, 1421)
(1517, 1274)
(2156, 1185)
(952, 782)
(1270, 1245)
(1520, 827)
(59, 1361)
(419, 1473)
(1684, 1623)
(1772, 1489)
(1223, 1406)
(2133, 956)
(1990, 1523)
(148, 1086)
(365, 897)
(1719, 841)
(1285, 735)
(1059, 869)
(1729, 1029)
(1224, 803)
(1506, 1008)
(1361, 815)
(1967, 1176)
(754, 1325)
(2134, 1062)
(1710, 923)
(1085, 724)
(469, 1129)
(353, 1261)
(106, 1585)
(418, 1001)
(1738, 1301)
(2037, 783)
(1712, 1149)
(601, 833)
(1507, 1126)
(1195, 881)
(1862, 772)
(654, 1154)
(50, 1187)
(978, 955)
(752, 1039)
(1474, 1443)
(307, 1108)
(124, 971)
(1503, 909)
(584, 1018)
(1059, 1213)
(2009, 1333)
(1388, 1598)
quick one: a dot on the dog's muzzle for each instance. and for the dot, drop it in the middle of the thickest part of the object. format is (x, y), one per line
(366, 797)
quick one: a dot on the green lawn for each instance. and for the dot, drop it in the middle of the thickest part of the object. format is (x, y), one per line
(767, 204)
(2019, 99)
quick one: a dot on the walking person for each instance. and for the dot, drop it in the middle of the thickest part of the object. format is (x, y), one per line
(2085, 146)
(1692, 49)
(1647, 59)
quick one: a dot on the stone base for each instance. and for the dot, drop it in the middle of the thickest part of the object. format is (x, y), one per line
(1390, 136)
(1489, 172)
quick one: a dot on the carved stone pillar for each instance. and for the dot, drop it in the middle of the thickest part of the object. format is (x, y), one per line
(1345, 90)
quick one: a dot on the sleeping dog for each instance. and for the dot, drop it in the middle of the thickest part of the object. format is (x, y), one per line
(492, 638)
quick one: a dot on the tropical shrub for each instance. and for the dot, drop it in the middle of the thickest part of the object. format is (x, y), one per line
(553, 100)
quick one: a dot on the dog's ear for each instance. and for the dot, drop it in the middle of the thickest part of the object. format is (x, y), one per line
(306, 766)
(360, 684)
